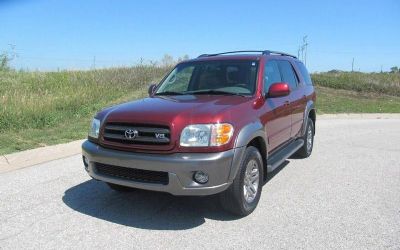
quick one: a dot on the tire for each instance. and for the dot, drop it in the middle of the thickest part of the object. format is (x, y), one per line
(239, 198)
(119, 188)
(306, 150)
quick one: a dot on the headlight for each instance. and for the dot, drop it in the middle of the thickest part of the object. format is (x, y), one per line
(94, 129)
(204, 135)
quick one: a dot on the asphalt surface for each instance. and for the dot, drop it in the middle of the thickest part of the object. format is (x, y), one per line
(346, 195)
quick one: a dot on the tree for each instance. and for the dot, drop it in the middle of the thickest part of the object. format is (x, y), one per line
(6, 57)
(184, 58)
(167, 61)
(394, 69)
(4, 62)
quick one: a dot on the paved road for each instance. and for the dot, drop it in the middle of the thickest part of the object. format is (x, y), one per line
(346, 195)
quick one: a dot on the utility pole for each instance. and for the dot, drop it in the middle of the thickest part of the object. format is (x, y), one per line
(303, 50)
(298, 52)
(305, 44)
(352, 65)
(94, 62)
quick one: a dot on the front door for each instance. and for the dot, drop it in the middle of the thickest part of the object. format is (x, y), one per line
(276, 115)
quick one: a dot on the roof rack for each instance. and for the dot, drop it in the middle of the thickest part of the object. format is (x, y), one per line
(263, 52)
(269, 52)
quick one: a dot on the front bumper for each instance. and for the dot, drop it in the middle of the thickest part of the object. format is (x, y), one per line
(180, 168)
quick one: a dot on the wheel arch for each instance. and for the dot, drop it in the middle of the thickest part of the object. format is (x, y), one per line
(313, 116)
(310, 112)
(252, 134)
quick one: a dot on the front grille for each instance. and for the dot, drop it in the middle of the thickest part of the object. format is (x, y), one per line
(132, 174)
(137, 134)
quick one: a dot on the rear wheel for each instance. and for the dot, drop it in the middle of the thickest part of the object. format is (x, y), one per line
(242, 197)
(306, 150)
(119, 188)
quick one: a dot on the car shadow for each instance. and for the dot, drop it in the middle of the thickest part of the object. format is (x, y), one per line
(143, 209)
(146, 209)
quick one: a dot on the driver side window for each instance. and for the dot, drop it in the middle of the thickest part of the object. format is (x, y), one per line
(178, 80)
(271, 74)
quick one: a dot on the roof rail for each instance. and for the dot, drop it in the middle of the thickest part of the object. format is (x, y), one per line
(269, 52)
(263, 52)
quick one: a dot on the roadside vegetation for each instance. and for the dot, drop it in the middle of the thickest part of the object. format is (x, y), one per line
(356, 92)
(43, 108)
(380, 83)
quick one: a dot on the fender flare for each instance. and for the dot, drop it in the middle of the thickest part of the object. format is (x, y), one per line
(249, 132)
(309, 107)
(246, 135)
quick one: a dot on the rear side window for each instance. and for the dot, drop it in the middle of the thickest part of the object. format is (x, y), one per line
(271, 74)
(288, 74)
(304, 73)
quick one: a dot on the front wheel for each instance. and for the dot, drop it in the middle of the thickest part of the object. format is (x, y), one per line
(242, 197)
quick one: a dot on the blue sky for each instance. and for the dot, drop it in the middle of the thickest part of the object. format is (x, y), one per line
(68, 34)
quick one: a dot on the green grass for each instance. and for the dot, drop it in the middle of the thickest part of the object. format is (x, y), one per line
(379, 83)
(331, 101)
(38, 109)
(45, 108)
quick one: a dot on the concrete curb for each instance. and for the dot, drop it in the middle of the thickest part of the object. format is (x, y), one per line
(359, 116)
(40, 155)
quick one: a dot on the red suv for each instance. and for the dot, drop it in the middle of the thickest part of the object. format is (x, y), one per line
(219, 123)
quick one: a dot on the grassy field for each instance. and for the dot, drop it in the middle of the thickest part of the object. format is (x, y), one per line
(356, 92)
(43, 108)
(379, 83)
(38, 109)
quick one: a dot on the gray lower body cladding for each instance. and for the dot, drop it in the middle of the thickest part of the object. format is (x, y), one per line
(171, 173)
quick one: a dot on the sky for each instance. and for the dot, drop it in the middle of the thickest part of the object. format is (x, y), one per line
(70, 34)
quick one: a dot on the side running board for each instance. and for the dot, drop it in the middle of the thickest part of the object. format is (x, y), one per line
(279, 157)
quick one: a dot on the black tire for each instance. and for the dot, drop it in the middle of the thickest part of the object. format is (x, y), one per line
(305, 151)
(119, 188)
(233, 199)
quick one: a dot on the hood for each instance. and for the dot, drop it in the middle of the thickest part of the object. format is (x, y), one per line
(173, 110)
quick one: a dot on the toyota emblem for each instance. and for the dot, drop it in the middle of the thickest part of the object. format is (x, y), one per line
(131, 134)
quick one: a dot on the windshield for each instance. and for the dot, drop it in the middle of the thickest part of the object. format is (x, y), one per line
(211, 77)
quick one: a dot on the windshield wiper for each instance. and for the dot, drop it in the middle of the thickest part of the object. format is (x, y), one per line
(171, 93)
(214, 92)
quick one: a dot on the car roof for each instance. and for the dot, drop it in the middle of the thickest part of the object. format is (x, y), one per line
(242, 55)
(228, 57)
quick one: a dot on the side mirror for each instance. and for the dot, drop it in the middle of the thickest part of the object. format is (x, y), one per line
(279, 89)
(151, 89)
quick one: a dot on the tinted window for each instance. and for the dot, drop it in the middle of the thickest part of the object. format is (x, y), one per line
(271, 74)
(304, 73)
(288, 74)
(178, 80)
(237, 76)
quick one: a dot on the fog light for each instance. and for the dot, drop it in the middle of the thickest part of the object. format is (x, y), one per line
(200, 177)
(85, 162)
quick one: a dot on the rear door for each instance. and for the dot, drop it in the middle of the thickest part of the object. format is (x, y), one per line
(296, 97)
